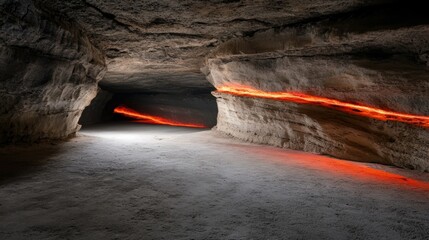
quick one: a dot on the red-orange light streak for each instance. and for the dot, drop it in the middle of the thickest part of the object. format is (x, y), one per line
(352, 108)
(341, 168)
(145, 118)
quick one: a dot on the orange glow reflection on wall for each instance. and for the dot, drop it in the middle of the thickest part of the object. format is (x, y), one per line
(352, 108)
(145, 118)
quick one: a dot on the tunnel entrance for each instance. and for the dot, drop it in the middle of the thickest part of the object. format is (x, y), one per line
(198, 110)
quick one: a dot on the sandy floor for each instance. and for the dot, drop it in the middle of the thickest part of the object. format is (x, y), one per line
(133, 181)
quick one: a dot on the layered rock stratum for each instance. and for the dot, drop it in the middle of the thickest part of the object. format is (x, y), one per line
(384, 65)
(161, 45)
(48, 75)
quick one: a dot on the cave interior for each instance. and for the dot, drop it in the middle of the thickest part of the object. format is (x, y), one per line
(217, 119)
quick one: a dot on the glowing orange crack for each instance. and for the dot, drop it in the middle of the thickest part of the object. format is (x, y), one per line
(352, 108)
(153, 119)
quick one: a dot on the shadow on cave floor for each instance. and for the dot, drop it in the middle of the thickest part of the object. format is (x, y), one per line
(22, 160)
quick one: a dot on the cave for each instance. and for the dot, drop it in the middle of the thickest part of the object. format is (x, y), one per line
(217, 119)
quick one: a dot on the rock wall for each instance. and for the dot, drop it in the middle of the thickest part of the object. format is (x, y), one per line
(377, 56)
(99, 110)
(320, 130)
(48, 73)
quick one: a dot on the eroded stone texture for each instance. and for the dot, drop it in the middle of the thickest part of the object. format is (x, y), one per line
(383, 64)
(160, 45)
(49, 73)
(320, 130)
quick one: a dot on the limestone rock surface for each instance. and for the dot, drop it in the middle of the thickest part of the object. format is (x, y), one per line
(160, 45)
(49, 73)
(369, 57)
(320, 130)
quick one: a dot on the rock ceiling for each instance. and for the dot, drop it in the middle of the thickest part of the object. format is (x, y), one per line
(162, 45)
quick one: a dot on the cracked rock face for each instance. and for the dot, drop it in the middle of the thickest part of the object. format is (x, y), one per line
(383, 65)
(160, 45)
(49, 73)
(320, 130)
